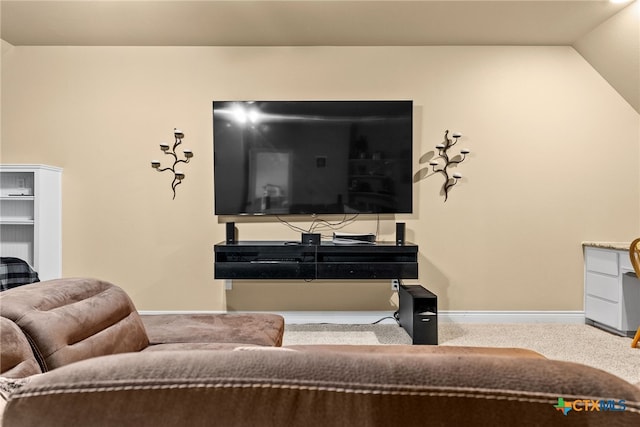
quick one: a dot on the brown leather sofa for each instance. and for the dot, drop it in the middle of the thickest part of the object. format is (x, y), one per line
(116, 378)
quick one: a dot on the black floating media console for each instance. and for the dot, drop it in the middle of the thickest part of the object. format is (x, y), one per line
(274, 260)
(292, 260)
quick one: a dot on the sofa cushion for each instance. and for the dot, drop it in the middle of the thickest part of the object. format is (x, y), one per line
(16, 357)
(68, 320)
(251, 328)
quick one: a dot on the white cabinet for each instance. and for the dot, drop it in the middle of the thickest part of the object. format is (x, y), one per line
(30, 216)
(611, 290)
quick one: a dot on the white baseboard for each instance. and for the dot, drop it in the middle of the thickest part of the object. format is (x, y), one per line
(342, 317)
(386, 317)
(494, 316)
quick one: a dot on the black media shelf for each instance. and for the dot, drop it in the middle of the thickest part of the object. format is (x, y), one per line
(290, 260)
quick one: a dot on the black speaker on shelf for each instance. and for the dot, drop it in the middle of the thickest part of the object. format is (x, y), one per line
(400, 233)
(231, 232)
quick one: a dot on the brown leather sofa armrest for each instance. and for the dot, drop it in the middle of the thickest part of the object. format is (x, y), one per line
(281, 386)
(72, 319)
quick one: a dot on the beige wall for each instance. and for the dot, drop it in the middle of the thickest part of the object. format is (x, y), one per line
(555, 161)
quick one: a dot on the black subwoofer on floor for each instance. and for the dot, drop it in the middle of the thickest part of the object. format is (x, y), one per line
(418, 313)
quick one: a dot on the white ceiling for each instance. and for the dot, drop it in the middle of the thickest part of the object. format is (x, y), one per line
(300, 23)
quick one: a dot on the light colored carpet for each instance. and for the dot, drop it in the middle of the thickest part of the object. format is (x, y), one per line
(574, 343)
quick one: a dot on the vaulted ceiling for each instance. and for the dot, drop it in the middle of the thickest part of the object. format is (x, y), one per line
(300, 23)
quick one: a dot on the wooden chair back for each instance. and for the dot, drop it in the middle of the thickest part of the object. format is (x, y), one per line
(634, 254)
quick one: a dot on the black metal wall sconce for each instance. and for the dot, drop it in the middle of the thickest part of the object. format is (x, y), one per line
(178, 176)
(443, 153)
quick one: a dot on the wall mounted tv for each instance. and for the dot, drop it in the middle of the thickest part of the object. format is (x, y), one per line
(312, 157)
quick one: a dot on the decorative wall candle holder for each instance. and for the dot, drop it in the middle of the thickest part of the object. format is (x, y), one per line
(178, 176)
(443, 153)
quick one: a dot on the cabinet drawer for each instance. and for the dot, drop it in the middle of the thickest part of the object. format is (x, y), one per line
(602, 261)
(602, 311)
(602, 286)
(380, 270)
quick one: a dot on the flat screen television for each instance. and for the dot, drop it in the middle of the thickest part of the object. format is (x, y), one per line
(312, 157)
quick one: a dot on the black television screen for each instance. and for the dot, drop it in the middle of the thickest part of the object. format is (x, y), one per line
(312, 157)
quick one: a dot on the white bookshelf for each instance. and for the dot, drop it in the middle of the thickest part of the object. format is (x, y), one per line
(31, 216)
